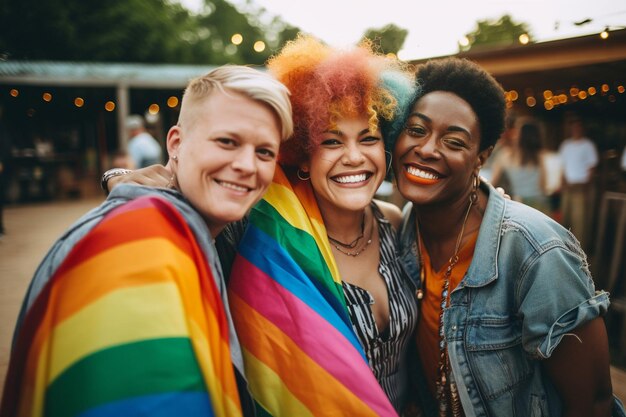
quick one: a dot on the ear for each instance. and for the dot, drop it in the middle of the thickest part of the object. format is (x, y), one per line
(482, 157)
(174, 140)
(305, 167)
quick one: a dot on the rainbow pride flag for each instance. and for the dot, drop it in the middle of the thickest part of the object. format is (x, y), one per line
(301, 355)
(131, 324)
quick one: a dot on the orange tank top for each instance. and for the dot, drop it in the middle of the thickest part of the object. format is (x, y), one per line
(428, 326)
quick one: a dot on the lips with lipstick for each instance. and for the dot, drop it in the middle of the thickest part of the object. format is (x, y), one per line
(352, 178)
(421, 176)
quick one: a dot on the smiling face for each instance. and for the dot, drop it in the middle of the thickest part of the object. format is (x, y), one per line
(437, 153)
(226, 148)
(348, 167)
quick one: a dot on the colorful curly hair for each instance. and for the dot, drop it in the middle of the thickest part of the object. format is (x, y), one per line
(327, 84)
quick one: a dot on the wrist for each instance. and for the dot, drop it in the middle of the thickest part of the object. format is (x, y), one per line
(111, 173)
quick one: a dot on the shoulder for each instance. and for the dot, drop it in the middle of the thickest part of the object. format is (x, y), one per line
(540, 233)
(391, 212)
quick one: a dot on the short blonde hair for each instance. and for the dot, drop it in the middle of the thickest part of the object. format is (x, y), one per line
(255, 84)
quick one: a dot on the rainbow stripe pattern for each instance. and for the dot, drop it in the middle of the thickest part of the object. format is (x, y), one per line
(301, 355)
(131, 324)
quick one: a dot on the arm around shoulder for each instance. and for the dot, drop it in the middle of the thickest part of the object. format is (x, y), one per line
(391, 213)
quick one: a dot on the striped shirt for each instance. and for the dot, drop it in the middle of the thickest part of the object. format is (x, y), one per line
(386, 352)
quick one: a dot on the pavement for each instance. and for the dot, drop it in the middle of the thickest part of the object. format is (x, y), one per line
(31, 230)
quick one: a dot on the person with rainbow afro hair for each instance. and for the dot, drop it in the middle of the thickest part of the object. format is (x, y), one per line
(324, 220)
(322, 307)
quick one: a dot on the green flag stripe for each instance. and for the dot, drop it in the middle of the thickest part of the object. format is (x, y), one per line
(300, 245)
(122, 372)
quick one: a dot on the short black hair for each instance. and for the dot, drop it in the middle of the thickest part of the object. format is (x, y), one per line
(473, 84)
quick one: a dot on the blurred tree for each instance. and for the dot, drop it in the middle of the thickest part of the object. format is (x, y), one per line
(131, 31)
(388, 39)
(109, 30)
(495, 33)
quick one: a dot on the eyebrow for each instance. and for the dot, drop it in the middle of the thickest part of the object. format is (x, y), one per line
(452, 128)
(340, 133)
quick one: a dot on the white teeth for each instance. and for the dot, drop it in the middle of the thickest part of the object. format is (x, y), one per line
(232, 186)
(422, 174)
(349, 179)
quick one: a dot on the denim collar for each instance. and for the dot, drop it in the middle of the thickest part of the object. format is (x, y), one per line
(484, 266)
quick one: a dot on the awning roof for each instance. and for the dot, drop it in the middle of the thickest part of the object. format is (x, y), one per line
(99, 74)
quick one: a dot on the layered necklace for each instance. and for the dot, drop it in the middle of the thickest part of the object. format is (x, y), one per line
(446, 390)
(350, 249)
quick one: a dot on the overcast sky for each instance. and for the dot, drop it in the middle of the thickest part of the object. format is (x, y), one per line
(435, 26)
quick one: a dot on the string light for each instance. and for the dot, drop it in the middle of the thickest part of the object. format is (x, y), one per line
(236, 39)
(172, 102)
(609, 92)
(259, 46)
(524, 38)
(605, 33)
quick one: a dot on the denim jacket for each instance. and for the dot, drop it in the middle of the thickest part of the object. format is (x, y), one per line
(527, 286)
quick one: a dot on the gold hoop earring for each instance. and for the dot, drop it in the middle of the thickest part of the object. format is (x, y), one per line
(303, 175)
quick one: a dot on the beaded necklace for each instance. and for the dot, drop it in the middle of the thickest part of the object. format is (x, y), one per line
(354, 243)
(446, 390)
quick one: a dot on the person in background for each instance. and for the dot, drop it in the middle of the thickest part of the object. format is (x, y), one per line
(122, 160)
(499, 157)
(143, 149)
(128, 312)
(510, 320)
(623, 162)
(523, 165)
(5, 169)
(579, 158)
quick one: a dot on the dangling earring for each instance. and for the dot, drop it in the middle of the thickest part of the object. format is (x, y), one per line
(303, 175)
(172, 182)
(388, 158)
(475, 185)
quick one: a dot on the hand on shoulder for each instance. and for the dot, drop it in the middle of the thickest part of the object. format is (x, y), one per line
(152, 176)
(391, 213)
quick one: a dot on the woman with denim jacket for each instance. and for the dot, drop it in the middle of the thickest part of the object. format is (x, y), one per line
(510, 322)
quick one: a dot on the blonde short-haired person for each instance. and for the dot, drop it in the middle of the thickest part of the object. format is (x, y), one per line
(127, 314)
